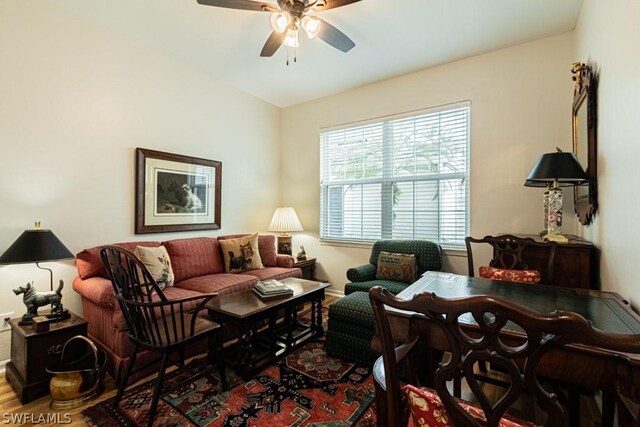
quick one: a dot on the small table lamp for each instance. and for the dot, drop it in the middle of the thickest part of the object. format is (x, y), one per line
(36, 246)
(555, 170)
(283, 221)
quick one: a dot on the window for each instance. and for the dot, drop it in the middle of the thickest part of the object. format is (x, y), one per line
(402, 178)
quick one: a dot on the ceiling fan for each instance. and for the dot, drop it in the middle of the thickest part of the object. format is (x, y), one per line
(288, 16)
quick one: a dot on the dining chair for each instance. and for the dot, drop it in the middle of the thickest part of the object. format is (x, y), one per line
(155, 323)
(507, 262)
(472, 327)
(628, 403)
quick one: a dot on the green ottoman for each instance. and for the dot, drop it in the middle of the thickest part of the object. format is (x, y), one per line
(350, 328)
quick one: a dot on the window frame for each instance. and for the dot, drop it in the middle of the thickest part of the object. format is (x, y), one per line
(387, 178)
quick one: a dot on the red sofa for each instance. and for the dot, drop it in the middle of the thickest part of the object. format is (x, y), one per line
(198, 267)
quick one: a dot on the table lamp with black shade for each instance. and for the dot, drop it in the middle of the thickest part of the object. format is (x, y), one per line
(36, 246)
(555, 170)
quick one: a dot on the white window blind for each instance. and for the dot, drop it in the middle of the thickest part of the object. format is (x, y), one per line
(401, 178)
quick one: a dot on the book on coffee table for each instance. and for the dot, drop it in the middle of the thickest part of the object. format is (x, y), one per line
(271, 289)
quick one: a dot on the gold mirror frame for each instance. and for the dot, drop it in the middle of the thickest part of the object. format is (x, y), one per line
(583, 124)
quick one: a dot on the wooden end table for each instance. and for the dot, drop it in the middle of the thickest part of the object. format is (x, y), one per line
(308, 267)
(32, 352)
(263, 333)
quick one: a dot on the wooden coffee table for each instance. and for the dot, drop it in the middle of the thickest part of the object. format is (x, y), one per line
(268, 329)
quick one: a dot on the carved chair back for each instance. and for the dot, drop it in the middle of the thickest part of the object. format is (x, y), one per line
(508, 251)
(479, 337)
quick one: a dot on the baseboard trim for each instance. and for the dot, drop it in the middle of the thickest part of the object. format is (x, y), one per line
(335, 292)
(3, 365)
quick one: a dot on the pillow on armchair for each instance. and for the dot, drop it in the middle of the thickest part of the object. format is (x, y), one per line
(394, 266)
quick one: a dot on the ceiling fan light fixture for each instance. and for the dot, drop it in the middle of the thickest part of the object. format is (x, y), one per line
(291, 39)
(311, 25)
(280, 21)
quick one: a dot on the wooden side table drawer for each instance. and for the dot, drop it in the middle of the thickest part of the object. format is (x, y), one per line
(32, 352)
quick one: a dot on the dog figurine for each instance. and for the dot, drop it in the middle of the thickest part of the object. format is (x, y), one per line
(33, 300)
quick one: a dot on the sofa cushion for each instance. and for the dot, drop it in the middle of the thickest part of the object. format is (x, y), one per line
(197, 256)
(241, 254)
(275, 273)
(158, 263)
(222, 283)
(171, 293)
(266, 247)
(89, 263)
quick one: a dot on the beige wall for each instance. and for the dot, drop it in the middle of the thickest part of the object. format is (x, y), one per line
(607, 38)
(521, 107)
(75, 102)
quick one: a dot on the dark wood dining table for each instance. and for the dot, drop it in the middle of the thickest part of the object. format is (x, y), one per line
(581, 366)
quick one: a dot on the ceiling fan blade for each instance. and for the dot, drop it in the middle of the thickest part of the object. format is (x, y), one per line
(273, 44)
(333, 36)
(240, 4)
(332, 4)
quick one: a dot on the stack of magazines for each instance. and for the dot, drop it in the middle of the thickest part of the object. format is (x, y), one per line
(269, 289)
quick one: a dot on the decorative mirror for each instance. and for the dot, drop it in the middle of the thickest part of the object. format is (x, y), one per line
(583, 120)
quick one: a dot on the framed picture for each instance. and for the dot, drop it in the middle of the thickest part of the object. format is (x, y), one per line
(176, 193)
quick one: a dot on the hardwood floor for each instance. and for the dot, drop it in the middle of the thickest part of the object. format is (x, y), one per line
(39, 409)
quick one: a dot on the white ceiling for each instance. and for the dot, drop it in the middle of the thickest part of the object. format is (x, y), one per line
(392, 37)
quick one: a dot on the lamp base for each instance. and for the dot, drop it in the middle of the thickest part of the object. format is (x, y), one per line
(284, 244)
(27, 319)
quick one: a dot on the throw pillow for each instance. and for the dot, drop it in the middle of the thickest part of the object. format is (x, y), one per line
(241, 254)
(398, 267)
(428, 410)
(158, 263)
(518, 276)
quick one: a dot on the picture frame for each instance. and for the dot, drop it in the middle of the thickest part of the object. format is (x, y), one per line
(176, 192)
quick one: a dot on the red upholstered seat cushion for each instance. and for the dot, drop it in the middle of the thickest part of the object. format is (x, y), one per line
(427, 410)
(193, 257)
(519, 276)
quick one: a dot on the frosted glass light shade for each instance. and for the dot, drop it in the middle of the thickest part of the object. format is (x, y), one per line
(285, 220)
(291, 38)
(280, 21)
(311, 25)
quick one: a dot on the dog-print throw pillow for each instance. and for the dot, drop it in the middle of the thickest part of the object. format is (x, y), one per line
(158, 263)
(241, 254)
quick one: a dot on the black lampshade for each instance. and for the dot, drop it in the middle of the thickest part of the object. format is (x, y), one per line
(36, 246)
(561, 167)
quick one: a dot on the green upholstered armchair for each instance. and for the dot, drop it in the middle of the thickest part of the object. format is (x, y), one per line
(428, 258)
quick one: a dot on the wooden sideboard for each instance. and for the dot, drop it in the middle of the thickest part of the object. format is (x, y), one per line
(576, 263)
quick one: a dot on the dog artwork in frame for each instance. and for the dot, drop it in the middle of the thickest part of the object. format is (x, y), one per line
(176, 192)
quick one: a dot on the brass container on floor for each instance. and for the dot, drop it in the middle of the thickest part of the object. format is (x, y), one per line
(77, 380)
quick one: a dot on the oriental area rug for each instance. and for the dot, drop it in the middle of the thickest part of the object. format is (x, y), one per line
(305, 388)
